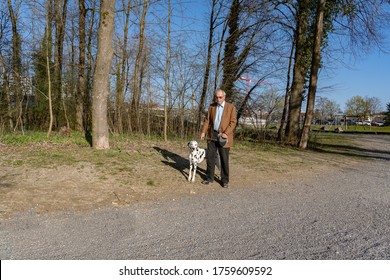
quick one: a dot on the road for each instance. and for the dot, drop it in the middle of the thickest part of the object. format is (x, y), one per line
(344, 214)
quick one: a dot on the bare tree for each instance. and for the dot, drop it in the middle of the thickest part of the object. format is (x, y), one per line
(60, 12)
(315, 65)
(212, 26)
(101, 82)
(360, 20)
(135, 104)
(270, 102)
(362, 107)
(80, 95)
(375, 105)
(326, 108)
(93, 21)
(16, 66)
(5, 101)
(166, 80)
(254, 37)
(48, 72)
(299, 72)
(149, 92)
(122, 72)
(6, 119)
(283, 119)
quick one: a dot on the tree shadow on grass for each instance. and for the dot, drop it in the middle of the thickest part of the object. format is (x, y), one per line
(178, 162)
(3, 184)
(353, 151)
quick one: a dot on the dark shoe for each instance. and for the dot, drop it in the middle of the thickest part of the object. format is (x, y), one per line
(225, 185)
(207, 182)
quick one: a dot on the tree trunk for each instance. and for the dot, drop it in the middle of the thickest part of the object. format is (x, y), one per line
(315, 65)
(5, 102)
(230, 59)
(60, 11)
(149, 92)
(208, 65)
(72, 88)
(89, 75)
(287, 95)
(122, 74)
(219, 60)
(135, 104)
(101, 80)
(47, 44)
(16, 67)
(80, 95)
(300, 69)
(167, 63)
(49, 92)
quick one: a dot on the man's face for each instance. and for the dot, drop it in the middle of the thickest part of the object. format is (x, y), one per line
(219, 96)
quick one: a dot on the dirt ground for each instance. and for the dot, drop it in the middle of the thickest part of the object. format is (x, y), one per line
(47, 177)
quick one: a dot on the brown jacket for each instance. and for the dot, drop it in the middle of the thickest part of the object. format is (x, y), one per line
(228, 122)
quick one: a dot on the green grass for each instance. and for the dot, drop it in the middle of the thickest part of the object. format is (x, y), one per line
(317, 139)
(36, 150)
(354, 128)
(29, 137)
(336, 144)
(151, 183)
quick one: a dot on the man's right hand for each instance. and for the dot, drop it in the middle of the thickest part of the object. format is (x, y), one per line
(202, 136)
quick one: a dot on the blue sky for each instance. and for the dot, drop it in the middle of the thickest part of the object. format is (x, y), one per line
(367, 76)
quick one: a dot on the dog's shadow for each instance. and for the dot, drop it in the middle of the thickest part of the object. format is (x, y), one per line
(178, 162)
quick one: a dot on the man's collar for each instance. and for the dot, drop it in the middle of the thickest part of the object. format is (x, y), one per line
(222, 105)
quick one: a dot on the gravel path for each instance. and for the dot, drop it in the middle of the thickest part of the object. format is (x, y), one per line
(340, 214)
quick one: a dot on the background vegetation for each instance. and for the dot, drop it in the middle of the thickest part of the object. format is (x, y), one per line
(167, 64)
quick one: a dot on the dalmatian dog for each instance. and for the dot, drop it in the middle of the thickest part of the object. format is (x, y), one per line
(196, 156)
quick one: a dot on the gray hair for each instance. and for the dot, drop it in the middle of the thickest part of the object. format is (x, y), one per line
(221, 90)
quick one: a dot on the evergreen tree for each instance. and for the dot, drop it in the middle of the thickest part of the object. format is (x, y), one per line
(387, 115)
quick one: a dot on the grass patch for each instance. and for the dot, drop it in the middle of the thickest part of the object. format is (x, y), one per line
(354, 128)
(151, 183)
(268, 155)
(128, 152)
(34, 149)
(324, 140)
(29, 137)
(336, 144)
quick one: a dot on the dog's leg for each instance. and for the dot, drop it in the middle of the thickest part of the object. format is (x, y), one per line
(189, 174)
(194, 173)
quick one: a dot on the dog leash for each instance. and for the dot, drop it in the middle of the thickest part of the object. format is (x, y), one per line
(211, 139)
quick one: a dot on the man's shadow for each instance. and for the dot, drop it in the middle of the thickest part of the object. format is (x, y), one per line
(178, 162)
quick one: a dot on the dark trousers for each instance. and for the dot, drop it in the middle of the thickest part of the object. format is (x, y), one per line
(212, 149)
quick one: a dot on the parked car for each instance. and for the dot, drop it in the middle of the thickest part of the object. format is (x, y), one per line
(377, 123)
(349, 122)
(364, 123)
(367, 123)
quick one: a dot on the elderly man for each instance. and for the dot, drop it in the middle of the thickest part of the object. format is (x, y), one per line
(219, 125)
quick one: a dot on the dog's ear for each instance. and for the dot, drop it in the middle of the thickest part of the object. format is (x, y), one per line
(188, 144)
